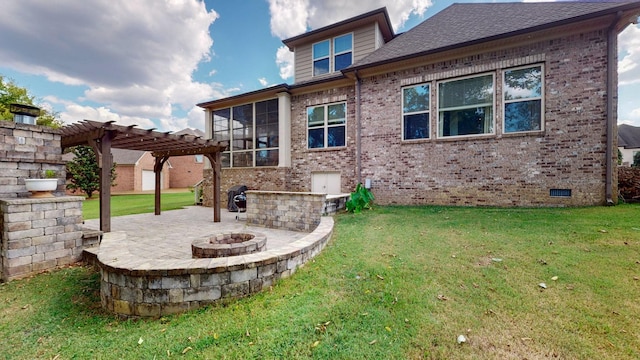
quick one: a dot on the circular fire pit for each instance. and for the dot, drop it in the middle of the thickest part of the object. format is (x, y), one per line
(228, 244)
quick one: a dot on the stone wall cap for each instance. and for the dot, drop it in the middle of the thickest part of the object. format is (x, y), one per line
(26, 201)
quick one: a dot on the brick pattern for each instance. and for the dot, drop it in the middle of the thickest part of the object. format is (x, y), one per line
(285, 210)
(498, 169)
(26, 151)
(39, 234)
(133, 287)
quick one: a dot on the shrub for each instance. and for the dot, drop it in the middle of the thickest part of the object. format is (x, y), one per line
(360, 199)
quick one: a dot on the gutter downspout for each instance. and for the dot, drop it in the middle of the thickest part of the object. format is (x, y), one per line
(358, 131)
(612, 44)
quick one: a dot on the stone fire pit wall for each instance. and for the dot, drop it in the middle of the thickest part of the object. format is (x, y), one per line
(295, 211)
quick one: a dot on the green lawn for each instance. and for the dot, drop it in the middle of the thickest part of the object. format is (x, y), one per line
(393, 283)
(136, 204)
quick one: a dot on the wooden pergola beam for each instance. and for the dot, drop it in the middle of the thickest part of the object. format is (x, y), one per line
(103, 136)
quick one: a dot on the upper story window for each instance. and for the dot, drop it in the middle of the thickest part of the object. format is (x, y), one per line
(199, 158)
(415, 112)
(523, 89)
(326, 125)
(465, 106)
(343, 51)
(332, 55)
(252, 131)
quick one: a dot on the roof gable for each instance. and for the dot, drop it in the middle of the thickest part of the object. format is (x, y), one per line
(464, 24)
(379, 15)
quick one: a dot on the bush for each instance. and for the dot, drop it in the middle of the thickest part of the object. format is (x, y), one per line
(629, 183)
(360, 199)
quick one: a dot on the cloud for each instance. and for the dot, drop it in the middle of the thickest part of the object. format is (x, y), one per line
(263, 81)
(285, 62)
(294, 17)
(137, 57)
(629, 59)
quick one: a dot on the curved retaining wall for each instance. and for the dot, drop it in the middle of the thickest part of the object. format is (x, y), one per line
(131, 286)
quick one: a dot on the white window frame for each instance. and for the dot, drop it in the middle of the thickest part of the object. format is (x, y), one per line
(254, 148)
(332, 54)
(326, 125)
(428, 111)
(492, 104)
(335, 54)
(541, 98)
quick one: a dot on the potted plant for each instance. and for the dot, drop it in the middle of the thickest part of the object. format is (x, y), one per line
(42, 187)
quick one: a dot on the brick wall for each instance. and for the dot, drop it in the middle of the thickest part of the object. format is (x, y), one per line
(504, 170)
(305, 161)
(185, 171)
(125, 179)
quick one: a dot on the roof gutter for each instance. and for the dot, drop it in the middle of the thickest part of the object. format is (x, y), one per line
(612, 69)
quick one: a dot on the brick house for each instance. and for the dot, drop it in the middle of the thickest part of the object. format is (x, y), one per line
(134, 169)
(506, 104)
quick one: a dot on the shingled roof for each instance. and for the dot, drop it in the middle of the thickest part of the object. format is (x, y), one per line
(461, 25)
(629, 136)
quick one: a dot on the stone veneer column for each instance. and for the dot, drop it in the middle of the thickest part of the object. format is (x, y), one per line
(39, 234)
(295, 211)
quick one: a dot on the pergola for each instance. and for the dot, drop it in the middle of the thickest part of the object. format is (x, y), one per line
(103, 136)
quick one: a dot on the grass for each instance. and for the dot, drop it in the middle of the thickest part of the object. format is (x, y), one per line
(393, 283)
(136, 204)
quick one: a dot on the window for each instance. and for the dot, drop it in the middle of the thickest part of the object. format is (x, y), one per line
(415, 112)
(523, 99)
(252, 131)
(326, 125)
(342, 46)
(339, 50)
(199, 158)
(465, 106)
(321, 58)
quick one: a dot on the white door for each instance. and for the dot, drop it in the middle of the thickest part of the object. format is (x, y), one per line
(149, 180)
(325, 182)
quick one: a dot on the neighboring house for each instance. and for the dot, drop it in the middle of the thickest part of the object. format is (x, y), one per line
(628, 142)
(134, 171)
(507, 104)
(187, 170)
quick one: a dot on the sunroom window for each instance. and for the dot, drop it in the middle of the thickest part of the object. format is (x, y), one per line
(326, 125)
(465, 106)
(523, 89)
(415, 112)
(252, 131)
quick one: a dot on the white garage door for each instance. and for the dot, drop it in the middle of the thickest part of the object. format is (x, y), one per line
(149, 180)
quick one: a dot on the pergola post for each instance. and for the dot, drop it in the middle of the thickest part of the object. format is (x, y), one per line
(216, 166)
(106, 163)
(157, 169)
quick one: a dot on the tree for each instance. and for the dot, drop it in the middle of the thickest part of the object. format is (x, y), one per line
(619, 157)
(11, 93)
(636, 159)
(84, 173)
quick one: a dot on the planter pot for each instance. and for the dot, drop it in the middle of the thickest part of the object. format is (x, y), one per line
(41, 187)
